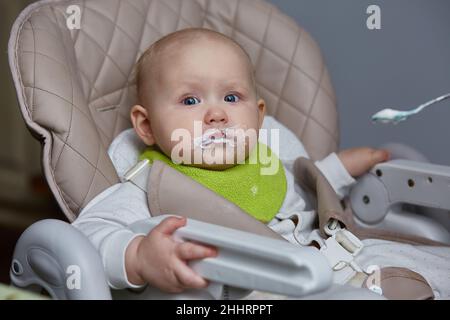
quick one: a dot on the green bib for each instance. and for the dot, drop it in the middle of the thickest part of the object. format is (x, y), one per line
(260, 195)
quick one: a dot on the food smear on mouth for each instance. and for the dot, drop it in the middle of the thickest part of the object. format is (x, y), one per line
(213, 137)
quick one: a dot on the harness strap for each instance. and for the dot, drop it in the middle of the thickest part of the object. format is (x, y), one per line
(331, 212)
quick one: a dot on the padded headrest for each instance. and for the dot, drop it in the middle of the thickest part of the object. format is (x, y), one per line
(75, 87)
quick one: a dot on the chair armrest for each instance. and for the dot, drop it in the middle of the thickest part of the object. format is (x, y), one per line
(54, 255)
(251, 261)
(378, 199)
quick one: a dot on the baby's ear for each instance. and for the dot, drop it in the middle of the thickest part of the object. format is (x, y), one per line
(261, 111)
(141, 123)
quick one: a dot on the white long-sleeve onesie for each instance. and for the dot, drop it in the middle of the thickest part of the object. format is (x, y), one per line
(105, 219)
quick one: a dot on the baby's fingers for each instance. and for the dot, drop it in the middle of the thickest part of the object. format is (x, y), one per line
(380, 155)
(187, 277)
(169, 225)
(192, 251)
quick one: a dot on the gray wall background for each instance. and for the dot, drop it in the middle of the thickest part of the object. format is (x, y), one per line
(402, 65)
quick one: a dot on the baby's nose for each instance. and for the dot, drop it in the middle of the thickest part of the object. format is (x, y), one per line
(216, 116)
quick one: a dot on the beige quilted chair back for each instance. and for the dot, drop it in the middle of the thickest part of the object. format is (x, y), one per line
(75, 86)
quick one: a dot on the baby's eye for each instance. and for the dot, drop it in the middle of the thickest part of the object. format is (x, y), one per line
(190, 101)
(231, 98)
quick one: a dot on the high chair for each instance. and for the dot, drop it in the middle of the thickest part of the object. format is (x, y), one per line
(75, 86)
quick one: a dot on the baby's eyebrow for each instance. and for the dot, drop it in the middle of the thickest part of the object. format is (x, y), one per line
(184, 86)
(195, 84)
(235, 84)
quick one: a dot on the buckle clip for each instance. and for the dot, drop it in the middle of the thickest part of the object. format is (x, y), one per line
(135, 170)
(332, 227)
(341, 247)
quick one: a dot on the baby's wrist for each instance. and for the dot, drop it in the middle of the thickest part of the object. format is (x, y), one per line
(132, 264)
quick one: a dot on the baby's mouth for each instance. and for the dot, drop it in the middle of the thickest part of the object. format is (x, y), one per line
(214, 137)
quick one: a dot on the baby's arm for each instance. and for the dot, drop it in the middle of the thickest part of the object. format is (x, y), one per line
(104, 221)
(358, 161)
(341, 169)
(337, 175)
(131, 260)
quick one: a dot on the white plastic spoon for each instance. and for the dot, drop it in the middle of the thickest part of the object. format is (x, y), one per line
(395, 116)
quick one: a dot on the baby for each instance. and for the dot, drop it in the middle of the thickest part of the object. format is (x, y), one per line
(193, 76)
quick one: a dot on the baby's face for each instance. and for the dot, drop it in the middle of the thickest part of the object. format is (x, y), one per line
(207, 84)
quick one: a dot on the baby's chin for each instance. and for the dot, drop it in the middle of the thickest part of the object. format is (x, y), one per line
(214, 158)
(221, 157)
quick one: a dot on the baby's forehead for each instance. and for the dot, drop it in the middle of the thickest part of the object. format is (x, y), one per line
(179, 47)
(174, 52)
(219, 67)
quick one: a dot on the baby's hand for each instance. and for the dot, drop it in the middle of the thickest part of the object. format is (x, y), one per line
(162, 262)
(358, 161)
